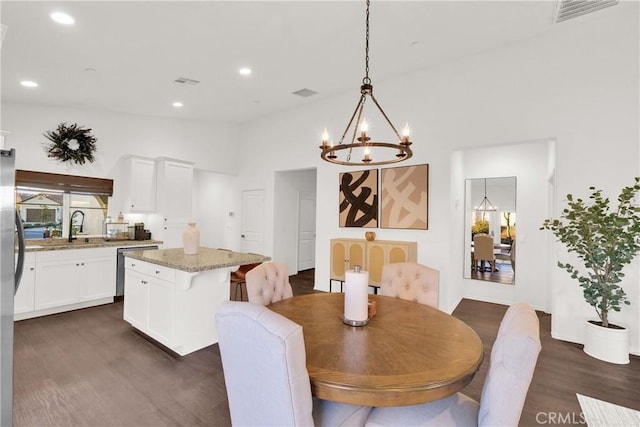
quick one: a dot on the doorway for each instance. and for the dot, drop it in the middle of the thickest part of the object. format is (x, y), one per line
(294, 219)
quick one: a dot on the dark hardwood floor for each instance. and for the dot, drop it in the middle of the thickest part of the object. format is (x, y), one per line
(90, 368)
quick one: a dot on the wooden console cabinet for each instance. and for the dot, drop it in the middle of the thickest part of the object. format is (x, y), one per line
(370, 255)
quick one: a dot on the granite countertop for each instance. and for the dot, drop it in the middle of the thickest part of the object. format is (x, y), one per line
(56, 244)
(205, 259)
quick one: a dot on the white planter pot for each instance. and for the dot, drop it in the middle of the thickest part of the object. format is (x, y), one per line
(610, 345)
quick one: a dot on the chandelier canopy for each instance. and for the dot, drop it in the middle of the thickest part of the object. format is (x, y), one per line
(362, 150)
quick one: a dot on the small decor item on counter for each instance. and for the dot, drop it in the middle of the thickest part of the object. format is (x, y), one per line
(356, 297)
(120, 217)
(370, 235)
(71, 143)
(191, 239)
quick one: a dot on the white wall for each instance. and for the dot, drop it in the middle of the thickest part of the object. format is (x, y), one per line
(577, 84)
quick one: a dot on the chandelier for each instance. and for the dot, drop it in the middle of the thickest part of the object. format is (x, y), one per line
(485, 205)
(362, 150)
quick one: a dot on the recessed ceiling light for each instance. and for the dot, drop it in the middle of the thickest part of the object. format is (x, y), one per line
(62, 18)
(177, 104)
(29, 83)
(245, 71)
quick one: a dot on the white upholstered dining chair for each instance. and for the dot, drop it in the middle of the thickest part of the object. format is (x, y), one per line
(513, 360)
(411, 281)
(265, 373)
(268, 283)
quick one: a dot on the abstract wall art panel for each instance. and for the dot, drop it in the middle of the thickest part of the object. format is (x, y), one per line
(359, 199)
(405, 197)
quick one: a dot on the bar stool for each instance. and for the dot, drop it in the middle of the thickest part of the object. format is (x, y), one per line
(238, 279)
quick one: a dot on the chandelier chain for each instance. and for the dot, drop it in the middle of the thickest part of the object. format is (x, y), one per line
(366, 79)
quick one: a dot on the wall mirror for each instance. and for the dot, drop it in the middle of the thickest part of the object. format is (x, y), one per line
(490, 229)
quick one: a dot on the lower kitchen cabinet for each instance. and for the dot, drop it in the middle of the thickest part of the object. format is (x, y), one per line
(148, 302)
(66, 280)
(24, 299)
(174, 307)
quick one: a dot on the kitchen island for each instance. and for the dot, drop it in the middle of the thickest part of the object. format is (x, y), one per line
(172, 297)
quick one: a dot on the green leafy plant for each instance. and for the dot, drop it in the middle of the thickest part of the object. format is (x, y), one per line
(605, 240)
(480, 226)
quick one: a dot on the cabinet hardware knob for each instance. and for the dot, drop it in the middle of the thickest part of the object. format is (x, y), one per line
(157, 271)
(144, 282)
(77, 265)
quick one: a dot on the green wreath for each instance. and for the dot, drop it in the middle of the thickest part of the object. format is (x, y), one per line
(71, 143)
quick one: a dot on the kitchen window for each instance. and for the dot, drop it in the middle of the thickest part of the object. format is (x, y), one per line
(51, 204)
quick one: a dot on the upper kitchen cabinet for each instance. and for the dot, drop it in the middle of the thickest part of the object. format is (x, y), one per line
(174, 190)
(137, 185)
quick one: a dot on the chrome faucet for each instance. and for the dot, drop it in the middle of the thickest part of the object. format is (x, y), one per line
(71, 224)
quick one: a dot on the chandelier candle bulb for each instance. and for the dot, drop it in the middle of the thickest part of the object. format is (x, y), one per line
(363, 132)
(356, 301)
(367, 156)
(325, 139)
(405, 135)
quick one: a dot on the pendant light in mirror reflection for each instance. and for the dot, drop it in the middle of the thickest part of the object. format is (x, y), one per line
(490, 229)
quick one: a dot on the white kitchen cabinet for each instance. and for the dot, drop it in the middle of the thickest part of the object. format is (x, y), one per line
(149, 299)
(24, 299)
(161, 310)
(136, 187)
(174, 190)
(136, 301)
(174, 307)
(66, 280)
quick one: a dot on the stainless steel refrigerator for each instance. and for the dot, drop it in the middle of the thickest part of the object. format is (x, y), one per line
(10, 273)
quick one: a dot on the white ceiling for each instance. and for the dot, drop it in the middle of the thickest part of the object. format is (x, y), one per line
(138, 49)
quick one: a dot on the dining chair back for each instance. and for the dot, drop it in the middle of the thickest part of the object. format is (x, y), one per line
(268, 283)
(513, 360)
(411, 281)
(483, 249)
(264, 365)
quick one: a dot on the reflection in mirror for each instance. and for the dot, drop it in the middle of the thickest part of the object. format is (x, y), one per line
(490, 229)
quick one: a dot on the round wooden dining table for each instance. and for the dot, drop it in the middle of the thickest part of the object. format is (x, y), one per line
(407, 354)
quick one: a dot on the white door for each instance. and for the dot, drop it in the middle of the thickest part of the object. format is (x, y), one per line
(306, 231)
(253, 221)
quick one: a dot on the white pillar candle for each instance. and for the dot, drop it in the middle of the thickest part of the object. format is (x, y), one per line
(356, 295)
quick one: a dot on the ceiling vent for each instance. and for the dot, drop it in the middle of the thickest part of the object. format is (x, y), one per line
(186, 81)
(305, 93)
(569, 9)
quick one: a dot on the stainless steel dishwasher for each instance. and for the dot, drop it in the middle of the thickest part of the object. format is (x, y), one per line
(120, 266)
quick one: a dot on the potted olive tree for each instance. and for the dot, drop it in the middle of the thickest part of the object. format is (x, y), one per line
(605, 240)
